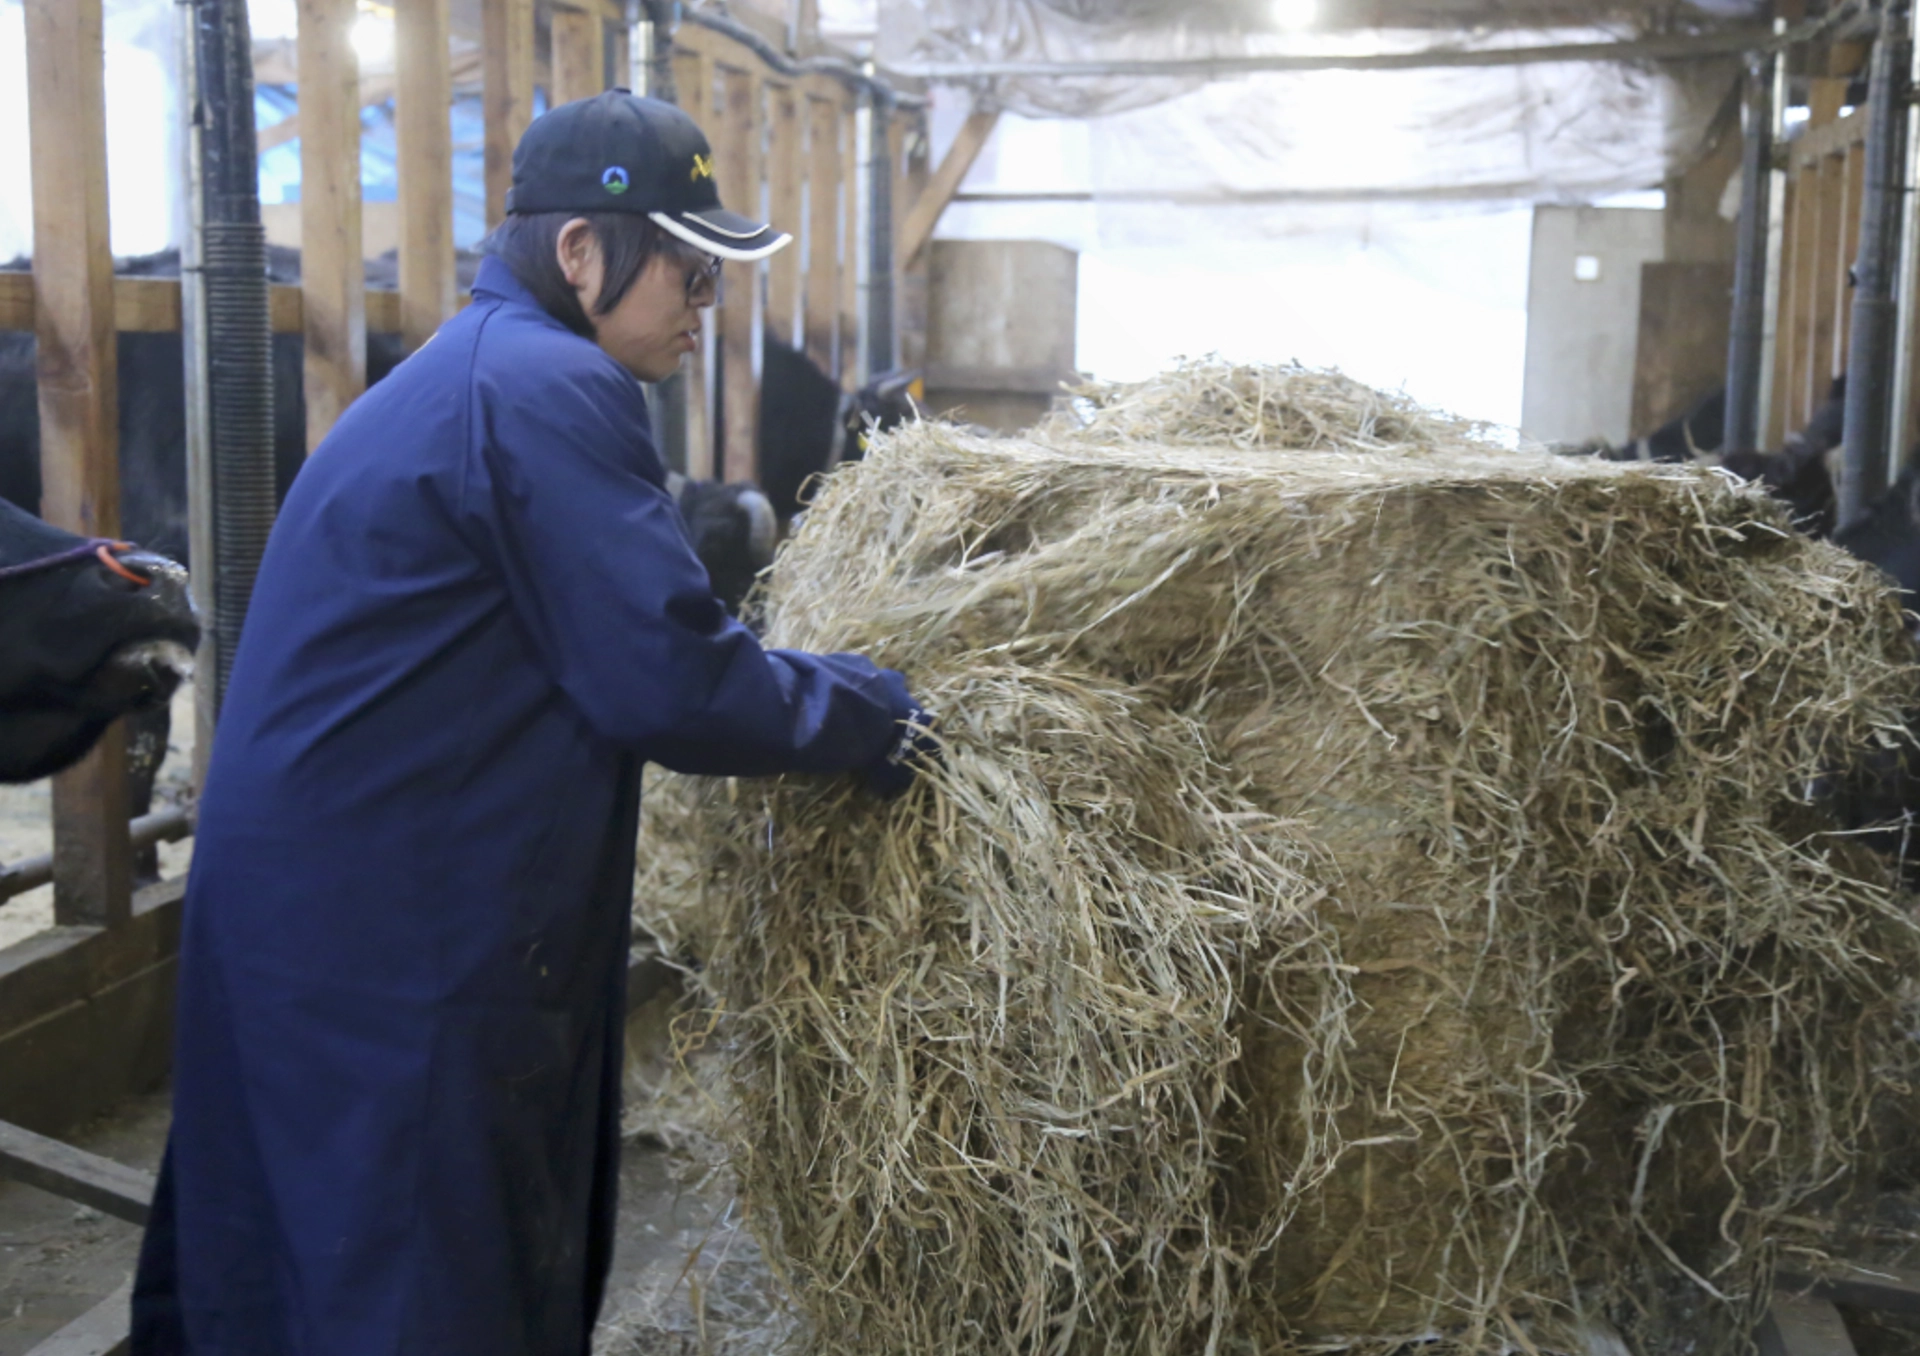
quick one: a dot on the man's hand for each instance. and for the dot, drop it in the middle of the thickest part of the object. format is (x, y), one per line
(916, 750)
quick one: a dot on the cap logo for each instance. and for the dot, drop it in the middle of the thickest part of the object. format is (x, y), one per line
(614, 180)
(702, 168)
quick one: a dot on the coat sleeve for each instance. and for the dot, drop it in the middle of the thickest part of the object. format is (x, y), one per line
(569, 491)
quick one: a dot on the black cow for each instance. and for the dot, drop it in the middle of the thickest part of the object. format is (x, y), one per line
(87, 634)
(1801, 474)
(1701, 429)
(808, 425)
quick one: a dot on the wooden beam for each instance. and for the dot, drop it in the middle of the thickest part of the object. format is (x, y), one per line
(424, 138)
(738, 169)
(824, 199)
(75, 366)
(579, 55)
(152, 306)
(1828, 287)
(507, 98)
(785, 162)
(109, 1187)
(925, 214)
(332, 273)
(1787, 319)
(104, 1330)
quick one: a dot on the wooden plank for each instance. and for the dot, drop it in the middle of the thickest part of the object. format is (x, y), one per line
(1827, 298)
(507, 93)
(579, 55)
(75, 365)
(1853, 199)
(913, 297)
(424, 168)
(693, 81)
(1825, 98)
(851, 323)
(1784, 322)
(152, 306)
(1832, 139)
(1803, 1326)
(925, 213)
(332, 274)
(785, 162)
(824, 200)
(104, 1330)
(738, 169)
(109, 1187)
(1805, 265)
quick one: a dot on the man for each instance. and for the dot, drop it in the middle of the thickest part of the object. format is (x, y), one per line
(404, 952)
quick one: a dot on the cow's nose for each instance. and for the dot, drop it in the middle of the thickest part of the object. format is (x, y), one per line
(167, 587)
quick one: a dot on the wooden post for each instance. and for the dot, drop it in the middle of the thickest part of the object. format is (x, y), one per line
(824, 198)
(911, 296)
(332, 272)
(507, 98)
(579, 55)
(1828, 286)
(924, 215)
(422, 100)
(693, 80)
(737, 167)
(79, 405)
(784, 165)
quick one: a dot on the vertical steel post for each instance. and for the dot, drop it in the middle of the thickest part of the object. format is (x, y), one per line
(1870, 344)
(1747, 331)
(1900, 416)
(881, 354)
(651, 52)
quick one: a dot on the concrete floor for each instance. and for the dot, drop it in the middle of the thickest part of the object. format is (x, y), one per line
(687, 1279)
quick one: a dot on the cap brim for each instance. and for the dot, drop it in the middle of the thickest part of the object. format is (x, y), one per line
(723, 234)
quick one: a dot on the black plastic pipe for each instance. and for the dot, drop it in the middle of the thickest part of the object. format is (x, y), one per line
(1747, 331)
(1870, 339)
(231, 258)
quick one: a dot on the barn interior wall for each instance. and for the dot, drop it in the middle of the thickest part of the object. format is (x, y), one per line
(1581, 329)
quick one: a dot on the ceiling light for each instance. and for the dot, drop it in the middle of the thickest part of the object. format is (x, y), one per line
(1293, 15)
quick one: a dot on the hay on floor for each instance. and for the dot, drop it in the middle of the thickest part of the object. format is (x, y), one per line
(1370, 894)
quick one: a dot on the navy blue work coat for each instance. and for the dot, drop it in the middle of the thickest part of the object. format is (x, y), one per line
(406, 929)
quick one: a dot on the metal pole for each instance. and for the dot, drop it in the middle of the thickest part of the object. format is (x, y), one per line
(193, 352)
(1870, 342)
(652, 56)
(1748, 328)
(881, 357)
(1907, 288)
(1776, 249)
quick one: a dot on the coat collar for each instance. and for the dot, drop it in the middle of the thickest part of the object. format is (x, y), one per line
(495, 279)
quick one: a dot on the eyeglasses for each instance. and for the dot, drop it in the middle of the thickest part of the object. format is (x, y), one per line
(703, 279)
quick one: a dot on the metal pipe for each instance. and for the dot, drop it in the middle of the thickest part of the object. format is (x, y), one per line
(193, 354)
(1776, 249)
(652, 56)
(862, 78)
(1870, 341)
(1900, 413)
(1748, 326)
(881, 356)
(224, 268)
(162, 826)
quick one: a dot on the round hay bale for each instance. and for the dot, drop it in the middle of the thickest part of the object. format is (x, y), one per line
(1371, 895)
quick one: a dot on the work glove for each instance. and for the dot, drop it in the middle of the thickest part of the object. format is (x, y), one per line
(915, 749)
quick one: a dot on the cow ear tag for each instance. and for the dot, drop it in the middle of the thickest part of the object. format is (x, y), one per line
(615, 180)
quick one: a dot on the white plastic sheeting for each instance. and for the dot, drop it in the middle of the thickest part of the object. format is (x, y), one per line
(143, 176)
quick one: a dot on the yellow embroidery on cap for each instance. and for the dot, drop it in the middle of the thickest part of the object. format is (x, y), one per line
(702, 167)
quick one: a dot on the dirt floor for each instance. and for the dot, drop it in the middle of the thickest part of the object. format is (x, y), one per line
(687, 1279)
(26, 827)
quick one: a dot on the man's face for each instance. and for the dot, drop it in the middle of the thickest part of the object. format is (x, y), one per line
(658, 321)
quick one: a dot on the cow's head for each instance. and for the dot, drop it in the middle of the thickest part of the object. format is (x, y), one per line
(85, 637)
(884, 403)
(732, 529)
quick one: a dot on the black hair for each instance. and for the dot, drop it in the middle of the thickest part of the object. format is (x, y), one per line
(528, 246)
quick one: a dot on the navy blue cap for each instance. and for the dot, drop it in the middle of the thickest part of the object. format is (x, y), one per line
(618, 152)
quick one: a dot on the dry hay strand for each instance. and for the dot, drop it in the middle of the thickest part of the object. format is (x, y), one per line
(1210, 402)
(1368, 898)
